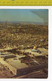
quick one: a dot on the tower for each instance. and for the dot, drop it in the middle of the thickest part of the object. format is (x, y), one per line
(6, 23)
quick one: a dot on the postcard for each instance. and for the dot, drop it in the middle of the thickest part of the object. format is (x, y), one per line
(24, 43)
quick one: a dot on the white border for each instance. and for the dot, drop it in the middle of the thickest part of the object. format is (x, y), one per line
(49, 37)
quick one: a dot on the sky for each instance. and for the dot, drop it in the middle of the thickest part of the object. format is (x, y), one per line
(25, 15)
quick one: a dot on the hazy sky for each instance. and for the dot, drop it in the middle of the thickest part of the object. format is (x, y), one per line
(23, 15)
